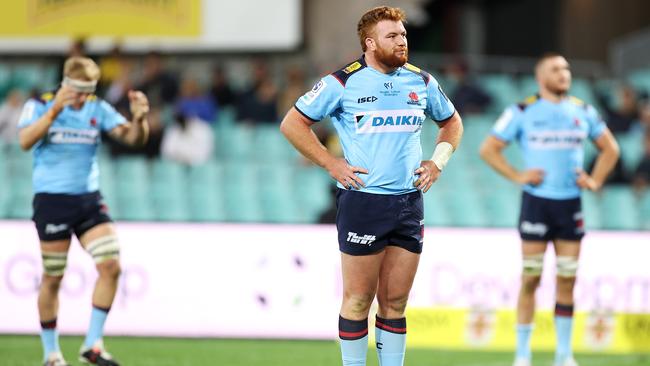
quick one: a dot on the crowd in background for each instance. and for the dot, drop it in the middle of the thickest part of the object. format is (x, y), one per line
(186, 104)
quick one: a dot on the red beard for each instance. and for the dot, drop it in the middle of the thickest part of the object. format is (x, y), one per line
(390, 59)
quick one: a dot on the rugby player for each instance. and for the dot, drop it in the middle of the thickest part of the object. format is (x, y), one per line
(377, 104)
(550, 128)
(63, 130)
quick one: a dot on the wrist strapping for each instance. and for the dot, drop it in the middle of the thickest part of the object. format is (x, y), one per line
(442, 154)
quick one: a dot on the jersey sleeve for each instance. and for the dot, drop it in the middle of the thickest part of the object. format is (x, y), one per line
(323, 99)
(110, 118)
(508, 126)
(439, 107)
(596, 124)
(32, 111)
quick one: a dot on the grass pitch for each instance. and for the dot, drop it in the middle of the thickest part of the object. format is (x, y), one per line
(130, 351)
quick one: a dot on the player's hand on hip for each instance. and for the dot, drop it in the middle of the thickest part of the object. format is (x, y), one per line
(64, 97)
(345, 174)
(532, 176)
(427, 174)
(585, 181)
(139, 105)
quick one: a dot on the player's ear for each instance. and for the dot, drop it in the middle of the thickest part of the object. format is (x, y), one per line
(370, 44)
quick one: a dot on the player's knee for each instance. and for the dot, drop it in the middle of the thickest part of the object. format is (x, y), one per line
(109, 268)
(358, 303)
(51, 284)
(567, 267)
(529, 284)
(533, 265)
(565, 284)
(104, 249)
(395, 306)
(54, 264)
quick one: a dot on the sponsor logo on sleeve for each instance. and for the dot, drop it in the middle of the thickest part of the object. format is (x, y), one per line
(314, 92)
(352, 67)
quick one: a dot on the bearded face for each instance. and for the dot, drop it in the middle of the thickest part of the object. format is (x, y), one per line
(390, 45)
(554, 75)
(392, 56)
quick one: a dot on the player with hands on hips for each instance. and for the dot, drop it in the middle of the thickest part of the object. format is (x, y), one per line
(377, 104)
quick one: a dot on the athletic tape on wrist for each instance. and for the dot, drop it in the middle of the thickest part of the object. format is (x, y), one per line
(442, 154)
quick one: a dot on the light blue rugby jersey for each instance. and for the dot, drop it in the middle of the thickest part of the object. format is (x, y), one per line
(379, 118)
(65, 160)
(551, 137)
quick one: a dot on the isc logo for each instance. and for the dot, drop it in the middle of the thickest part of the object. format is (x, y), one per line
(369, 99)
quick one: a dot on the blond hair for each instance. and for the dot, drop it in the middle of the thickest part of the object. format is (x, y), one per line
(374, 16)
(81, 68)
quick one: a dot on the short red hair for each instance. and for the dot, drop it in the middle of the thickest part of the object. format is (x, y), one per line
(374, 16)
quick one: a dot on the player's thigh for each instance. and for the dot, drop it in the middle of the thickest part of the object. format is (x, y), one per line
(361, 273)
(532, 261)
(57, 246)
(567, 254)
(97, 232)
(397, 273)
(54, 255)
(567, 248)
(533, 247)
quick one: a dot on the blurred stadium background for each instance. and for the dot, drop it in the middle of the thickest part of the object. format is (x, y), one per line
(229, 71)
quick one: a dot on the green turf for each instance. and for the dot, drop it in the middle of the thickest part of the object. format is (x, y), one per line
(25, 350)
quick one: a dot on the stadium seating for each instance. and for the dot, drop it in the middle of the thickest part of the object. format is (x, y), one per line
(256, 176)
(5, 80)
(640, 79)
(618, 209)
(503, 90)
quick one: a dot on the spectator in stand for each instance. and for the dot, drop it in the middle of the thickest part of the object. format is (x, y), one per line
(622, 113)
(188, 141)
(644, 116)
(118, 82)
(194, 103)
(10, 112)
(221, 91)
(294, 88)
(115, 68)
(641, 179)
(259, 103)
(160, 85)
(151, 148)
(77, 49)
(468, 96)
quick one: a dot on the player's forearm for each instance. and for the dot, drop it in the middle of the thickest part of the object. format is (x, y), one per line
(137, 134)
(447, 141)
(30, 135)
(498, 162)
(305, 141)
(451, 131)
(604, 164)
